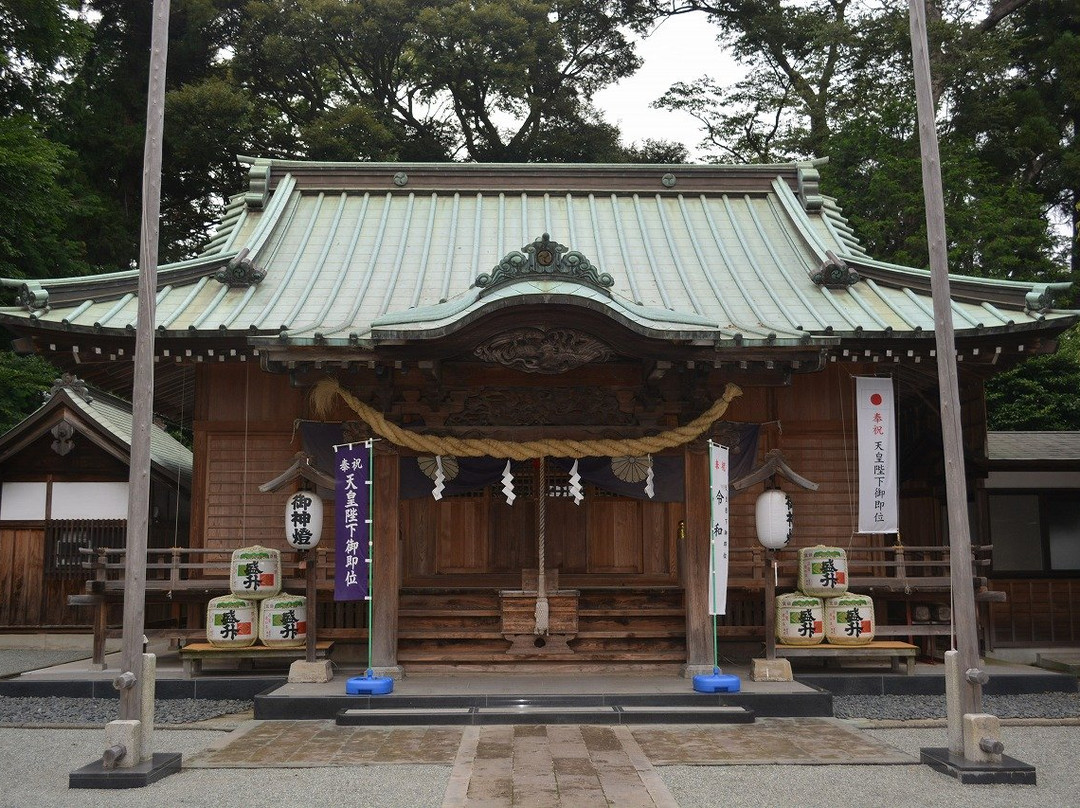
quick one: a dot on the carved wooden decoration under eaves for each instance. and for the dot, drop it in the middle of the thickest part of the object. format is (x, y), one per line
(560, 406)
(542, 350)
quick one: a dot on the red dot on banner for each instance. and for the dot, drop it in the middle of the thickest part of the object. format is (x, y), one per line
(875, 399)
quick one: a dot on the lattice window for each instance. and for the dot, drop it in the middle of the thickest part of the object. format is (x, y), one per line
(64, 537)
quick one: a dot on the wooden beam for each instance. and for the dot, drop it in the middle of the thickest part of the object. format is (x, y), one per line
(963, 594)
(142, 415)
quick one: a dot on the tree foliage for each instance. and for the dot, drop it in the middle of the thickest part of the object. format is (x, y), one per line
(833, 78)
(1040, 393)
(24, 380)
(488, 80)
(36, 208)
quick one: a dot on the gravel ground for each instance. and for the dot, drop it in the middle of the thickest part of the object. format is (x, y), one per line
(907, 708)
(1053, 751)
(60, 710)
(35, 764)
(94, 712)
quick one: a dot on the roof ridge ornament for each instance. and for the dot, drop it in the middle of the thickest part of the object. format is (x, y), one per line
(834, 273)
(809, 188)
(69, 381)
(240, 271)
(258, 186)
(545, 258)
(32, 296)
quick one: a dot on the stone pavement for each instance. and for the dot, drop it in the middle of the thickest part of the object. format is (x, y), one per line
(549, 766)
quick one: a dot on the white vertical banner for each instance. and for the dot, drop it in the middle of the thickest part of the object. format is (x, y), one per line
(875, 411)
(718, 532)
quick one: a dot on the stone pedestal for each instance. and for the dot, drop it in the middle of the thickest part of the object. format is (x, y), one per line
(977, 727)
(127, 734)
(770, 670)
(317, 672)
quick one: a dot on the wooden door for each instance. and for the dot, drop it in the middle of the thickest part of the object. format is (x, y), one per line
(22, 556)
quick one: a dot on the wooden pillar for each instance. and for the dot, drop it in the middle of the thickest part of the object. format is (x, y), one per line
(699, 636)
(386, 558)
(770, 604)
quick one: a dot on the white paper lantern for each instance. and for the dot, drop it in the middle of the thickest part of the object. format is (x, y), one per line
(303, 520)
(774, 517)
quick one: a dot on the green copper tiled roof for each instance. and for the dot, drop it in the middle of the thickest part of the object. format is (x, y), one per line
(355, 254)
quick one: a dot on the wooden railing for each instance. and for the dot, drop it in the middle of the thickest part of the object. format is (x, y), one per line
(196, 570)
(895, 569)
(193, 575)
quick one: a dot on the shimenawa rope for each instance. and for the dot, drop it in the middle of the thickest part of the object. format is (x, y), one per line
(324, 393)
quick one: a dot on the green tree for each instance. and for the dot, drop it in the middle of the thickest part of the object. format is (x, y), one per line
(24, 381)
(101, 117)
(38, 39)
(833, 78)
(1040, 393)
(430, 80)
(36, 208)
(1026, 123)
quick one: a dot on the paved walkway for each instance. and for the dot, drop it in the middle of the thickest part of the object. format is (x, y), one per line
(548, 766)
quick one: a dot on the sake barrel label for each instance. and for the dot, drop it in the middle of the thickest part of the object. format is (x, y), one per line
(849, 620)
(256, 572)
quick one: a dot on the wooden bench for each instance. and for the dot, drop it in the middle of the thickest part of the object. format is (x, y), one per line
(194, 654)
(181, 575)
(894, 651)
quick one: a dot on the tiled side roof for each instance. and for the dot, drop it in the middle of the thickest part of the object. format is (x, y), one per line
(1017, 446)
(113, 419)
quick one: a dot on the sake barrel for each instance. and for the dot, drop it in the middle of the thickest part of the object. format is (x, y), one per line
(799, 619)
(256, 572)
(283, 620)
(849, 620)
(823, 571)
(232, 622)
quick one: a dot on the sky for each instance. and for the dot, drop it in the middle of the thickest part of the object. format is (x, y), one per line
(681, 48)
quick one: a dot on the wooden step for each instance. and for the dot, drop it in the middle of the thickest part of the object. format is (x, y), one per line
(546, 714)
(448, 634)
(460, 612)
(649, 611)
(632, 634)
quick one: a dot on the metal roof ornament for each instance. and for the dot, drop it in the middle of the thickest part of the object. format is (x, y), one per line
(548, 260)
(63, 432)
(240, 272)
(834, 273)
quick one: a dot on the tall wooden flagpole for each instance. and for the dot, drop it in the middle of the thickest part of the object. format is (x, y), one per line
(963, 588)
(142, 410)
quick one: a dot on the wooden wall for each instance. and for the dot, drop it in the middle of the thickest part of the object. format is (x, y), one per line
(30, 595)
(243, 438)
(480, 540)
(1036, 612)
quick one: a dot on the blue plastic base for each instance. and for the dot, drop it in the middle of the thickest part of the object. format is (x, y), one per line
(716, 682)
(369, 685)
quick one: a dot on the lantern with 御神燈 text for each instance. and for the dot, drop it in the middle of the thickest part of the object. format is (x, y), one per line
(304, 520)
(774, 518)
